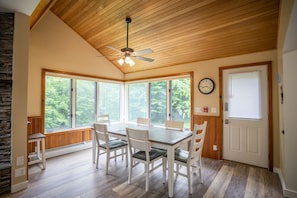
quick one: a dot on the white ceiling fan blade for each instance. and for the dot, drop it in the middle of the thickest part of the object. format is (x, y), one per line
(114, 49)
(144, 51)
(144, 58)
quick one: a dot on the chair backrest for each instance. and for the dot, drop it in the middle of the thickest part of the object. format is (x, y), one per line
(197, 140)
(101, 133)
(103, 118)
(143, 121)
(138, 140)
(173, 124)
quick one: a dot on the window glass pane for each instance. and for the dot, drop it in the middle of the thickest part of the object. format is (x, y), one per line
(245, 95)
(57, 111)
(180, 100)
(137, 101)
(110, 100)
(158, 102)
(85, 103)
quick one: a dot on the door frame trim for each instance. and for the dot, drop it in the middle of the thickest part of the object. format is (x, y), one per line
(269, 98)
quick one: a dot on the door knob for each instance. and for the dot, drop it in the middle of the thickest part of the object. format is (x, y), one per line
(226, 121)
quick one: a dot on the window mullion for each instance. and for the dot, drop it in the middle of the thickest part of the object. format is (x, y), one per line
(168, 100)
(73, 102)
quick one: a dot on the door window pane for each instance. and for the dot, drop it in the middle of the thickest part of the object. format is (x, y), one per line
(57, 111)
(85, 103)
(137, 101)
(180, 101)
(245, 95)
(110, 100)
(158, 108)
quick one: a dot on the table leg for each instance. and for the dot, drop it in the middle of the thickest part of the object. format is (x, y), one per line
(170, 158)
(93, 146)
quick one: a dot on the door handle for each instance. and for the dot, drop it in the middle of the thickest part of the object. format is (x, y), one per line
(226, 121)
(226, 106)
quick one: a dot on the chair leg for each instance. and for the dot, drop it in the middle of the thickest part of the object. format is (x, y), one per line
(177, 169)
(189, 174)
(164, 169)
(147, 177)
(97, 160)
(130, 171)
(126, 155)
(200, 170)
(107, 161)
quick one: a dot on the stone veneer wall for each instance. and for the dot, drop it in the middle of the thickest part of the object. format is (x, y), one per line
(6, 53)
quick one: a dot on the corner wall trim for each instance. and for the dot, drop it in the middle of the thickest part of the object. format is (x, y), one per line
(19, 186)
(286, 192)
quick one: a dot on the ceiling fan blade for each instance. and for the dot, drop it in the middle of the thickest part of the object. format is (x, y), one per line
(144, 58)
(114, 49)
(144, 51)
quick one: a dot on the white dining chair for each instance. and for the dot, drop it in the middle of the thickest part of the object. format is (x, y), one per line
(177, 125)
(174, 124)
(141, 152)
(191, 157)
(107, 146)
(143, 121)
(103, 118)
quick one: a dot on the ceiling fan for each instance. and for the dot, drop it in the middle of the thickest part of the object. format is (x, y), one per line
(127, 52)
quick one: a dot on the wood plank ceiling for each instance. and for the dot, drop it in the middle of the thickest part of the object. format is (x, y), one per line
(178, 31)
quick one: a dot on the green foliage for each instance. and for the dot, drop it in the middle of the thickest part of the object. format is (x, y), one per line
(110, 100)
(137, 101)
(57, 103)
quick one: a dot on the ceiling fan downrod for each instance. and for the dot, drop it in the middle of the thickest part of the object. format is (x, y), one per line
(128, 20)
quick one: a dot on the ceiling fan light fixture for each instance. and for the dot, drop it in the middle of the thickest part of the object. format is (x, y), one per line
(129, 61)
(121, 61)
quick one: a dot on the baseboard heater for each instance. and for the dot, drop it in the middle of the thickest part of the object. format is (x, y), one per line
(49, 153)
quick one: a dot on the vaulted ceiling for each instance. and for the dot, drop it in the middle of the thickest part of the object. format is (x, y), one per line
(178, 31)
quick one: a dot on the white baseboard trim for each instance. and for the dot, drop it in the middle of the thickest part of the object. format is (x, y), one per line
(286, 192)
(19, 186)
(67, 149)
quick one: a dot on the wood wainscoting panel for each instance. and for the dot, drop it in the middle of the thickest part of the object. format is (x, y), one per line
(54, 140)
(34, 126)
(213, 135)
(57, 139)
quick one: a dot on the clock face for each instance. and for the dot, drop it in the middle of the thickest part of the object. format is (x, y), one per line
(206, 85)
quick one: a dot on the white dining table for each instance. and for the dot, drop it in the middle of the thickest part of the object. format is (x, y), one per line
(159, 137)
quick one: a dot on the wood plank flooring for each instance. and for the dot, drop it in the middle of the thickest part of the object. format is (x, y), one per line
(75, 176)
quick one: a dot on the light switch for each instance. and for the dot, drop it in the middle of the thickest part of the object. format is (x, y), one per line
(198, 110)
(213, 110)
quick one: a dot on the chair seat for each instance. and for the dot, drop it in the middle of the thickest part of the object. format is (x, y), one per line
(154, 153)
(181, 155)
(114, 144)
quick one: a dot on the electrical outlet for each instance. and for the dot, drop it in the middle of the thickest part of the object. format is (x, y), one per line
(215, 147)
(20, 161)
(19, 172)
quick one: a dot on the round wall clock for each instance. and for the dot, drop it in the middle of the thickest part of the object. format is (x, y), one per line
(206, 86)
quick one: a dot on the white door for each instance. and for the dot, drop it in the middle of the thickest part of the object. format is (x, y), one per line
(245, 115)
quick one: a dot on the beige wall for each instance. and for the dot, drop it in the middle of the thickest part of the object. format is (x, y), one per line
(19, 97)
(53, 45)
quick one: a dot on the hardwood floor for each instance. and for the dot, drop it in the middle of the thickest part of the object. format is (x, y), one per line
(75, 176)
